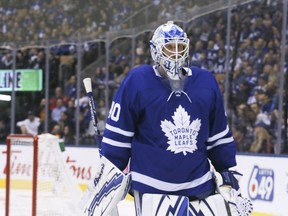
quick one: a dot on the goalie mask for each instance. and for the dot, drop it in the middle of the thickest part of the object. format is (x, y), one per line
(170, 49)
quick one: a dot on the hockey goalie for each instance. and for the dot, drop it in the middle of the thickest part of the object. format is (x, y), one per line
(168, 120)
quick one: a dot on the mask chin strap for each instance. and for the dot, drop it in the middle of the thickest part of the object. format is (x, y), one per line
(177, 94)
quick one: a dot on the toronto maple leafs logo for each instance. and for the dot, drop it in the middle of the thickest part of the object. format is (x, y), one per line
(182, 136)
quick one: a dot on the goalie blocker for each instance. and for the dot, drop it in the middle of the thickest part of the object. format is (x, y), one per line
(109, 186)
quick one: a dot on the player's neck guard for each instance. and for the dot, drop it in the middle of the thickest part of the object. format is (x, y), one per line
(177, 87)
(174, 85)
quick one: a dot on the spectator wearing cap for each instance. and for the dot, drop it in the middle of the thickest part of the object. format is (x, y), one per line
(261, 86)
(30, 125)
(264, 123)
(262, 138)
(260, 131)
(267, 104)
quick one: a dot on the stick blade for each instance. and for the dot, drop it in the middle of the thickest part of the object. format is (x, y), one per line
(87, 84)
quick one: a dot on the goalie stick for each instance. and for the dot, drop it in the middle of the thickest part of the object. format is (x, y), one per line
(88, 87)
(110, 185)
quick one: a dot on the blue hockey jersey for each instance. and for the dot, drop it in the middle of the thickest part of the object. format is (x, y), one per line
(169, 136)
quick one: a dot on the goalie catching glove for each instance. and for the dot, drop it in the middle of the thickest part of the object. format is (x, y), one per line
(227, 185)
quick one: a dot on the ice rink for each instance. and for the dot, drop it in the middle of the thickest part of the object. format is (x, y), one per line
(19, 207)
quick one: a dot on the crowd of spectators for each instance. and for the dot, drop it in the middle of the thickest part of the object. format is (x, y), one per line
(254, 69)
(54, 20)
(254, 65)
(36, 22)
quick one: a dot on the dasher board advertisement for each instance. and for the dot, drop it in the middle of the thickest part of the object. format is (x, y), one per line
(265, 183)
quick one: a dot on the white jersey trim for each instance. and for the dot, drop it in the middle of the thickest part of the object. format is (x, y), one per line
(167, 186)
(116, 143)
(219, 135)
(221, 142)
(119, 131)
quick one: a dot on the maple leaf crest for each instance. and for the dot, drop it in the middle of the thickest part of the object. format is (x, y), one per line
(181, 134)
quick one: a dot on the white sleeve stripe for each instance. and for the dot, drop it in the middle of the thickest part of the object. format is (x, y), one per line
(219, 135)
(116, 143)
(167, 186)
(119, 131)
(221, 142)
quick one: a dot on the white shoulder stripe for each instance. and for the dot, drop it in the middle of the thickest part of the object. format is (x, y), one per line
(219, 135)
(119, 131)
(116, 143)
(167, 186)
(221, 142)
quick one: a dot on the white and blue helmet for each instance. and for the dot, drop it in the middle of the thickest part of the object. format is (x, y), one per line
(163, 38)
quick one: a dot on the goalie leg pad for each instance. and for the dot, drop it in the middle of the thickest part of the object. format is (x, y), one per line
(107, 189)
(161, 204)
(213, 205)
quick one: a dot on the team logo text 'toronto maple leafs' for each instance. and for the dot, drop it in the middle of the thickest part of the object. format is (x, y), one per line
(182, 136)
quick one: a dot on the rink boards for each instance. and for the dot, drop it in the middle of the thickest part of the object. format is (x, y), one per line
(264, 181)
